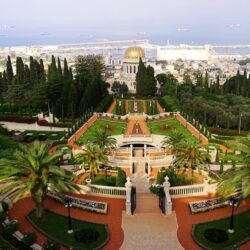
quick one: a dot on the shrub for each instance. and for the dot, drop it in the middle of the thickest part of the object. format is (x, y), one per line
(216, 235)
(87, 235)
(227, 132)
(4, 244)
(29, 239)
(3, 216)
(12, 227)
(121, 178)
(59, 142)
(51, 245)
(5, 206)
(18, 119)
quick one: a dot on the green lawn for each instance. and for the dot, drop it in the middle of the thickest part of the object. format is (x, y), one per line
(241, 226)
(56, 226)
(155, 128)
(7, 146)
(114, 128)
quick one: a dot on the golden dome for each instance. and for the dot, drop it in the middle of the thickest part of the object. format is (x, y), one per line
(135, 52)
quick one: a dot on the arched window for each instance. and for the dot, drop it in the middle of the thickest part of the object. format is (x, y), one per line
(131, 69)
(134, 69)
(127, 68)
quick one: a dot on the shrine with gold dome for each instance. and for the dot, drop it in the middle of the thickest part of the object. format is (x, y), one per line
(130, 67)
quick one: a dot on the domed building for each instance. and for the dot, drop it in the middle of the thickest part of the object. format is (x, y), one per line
(130, 67)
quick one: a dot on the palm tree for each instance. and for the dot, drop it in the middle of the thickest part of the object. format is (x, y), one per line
(32, 171)
(101, 138)
(190, 155)
(173, 139)
(235, 179)
(92, 157)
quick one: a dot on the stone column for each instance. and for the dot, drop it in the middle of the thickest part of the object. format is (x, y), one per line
(168, 202)
(128, 186)
(145, 150)
(131, 150)
(131, 165)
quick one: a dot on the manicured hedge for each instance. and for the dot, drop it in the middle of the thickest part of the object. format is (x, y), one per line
(227, 132)
(18, 119)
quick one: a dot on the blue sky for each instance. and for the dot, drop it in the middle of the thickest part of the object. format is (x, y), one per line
(176, 18)
(106, 12)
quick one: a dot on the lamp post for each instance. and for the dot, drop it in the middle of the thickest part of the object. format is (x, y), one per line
(68, 204)
(234, 203)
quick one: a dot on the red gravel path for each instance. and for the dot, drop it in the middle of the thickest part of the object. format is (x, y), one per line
(159, 107)
(112, 219)
(112, 106)
(186, 219)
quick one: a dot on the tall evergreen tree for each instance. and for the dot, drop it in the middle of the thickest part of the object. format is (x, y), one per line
(9, 71)
(237, 83)
(217, 86)
(206, 82)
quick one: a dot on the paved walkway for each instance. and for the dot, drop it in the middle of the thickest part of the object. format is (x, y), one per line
(112, 219)
(137, 119)
(24, 126)
(148, 228)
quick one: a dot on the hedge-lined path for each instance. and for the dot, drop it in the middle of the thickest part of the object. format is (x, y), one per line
(160, 108)
(112, 107)
(112, 219)
(186, 219)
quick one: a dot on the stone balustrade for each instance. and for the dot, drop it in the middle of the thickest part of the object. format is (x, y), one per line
(106, 191)
(193, 190)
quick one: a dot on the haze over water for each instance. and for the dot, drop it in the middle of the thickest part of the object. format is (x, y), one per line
(59, 21)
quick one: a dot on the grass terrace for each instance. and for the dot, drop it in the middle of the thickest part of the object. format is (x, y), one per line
(55, 226)
(165, 127)
(241, 226)
(114, 128)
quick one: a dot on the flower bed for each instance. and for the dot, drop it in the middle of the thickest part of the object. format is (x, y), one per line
(206, 205)
(93, 206)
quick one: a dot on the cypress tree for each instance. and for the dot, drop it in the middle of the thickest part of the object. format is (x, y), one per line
(244, 89)
(32, 71)
(237, 83)
(206, 82)
(9, 72)
(217, 86)
(1, 87)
